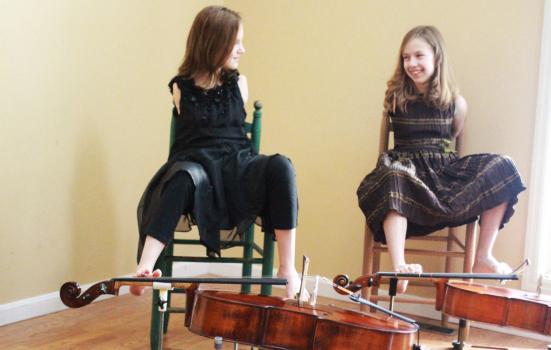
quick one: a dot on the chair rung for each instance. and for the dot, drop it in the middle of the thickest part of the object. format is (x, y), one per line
(426, 252)
(177, 310)
(198, 242)
(258, 249)
(172, 258)
(429, 238)
(186, 241)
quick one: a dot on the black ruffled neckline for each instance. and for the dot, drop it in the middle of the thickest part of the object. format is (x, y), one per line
(227, 81)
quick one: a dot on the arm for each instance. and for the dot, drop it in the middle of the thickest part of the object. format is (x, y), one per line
(384, 133)
(243, 88)
(459, 121)
(459, 116)
(176, 96)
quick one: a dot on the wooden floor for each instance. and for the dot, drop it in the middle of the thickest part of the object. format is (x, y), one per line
(123, 323)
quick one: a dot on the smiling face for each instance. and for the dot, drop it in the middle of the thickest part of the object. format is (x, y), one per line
(418, 61)
(232, 61)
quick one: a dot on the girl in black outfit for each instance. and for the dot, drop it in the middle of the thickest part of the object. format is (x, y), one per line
(213, 176)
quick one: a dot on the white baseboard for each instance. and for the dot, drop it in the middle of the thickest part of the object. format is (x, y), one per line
(48, 303)
(44, 304)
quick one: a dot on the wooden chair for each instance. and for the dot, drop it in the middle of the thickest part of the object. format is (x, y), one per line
(465, 249)
(265, 254)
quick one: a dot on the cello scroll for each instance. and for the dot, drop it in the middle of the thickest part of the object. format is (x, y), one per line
(71, 297)
(359, 283)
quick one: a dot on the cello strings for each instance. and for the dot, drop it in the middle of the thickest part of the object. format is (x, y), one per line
(356, 297)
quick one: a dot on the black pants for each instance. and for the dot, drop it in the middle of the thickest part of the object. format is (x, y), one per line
(177, 199)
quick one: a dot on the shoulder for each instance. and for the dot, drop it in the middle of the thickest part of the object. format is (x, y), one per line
(242, 80)
(181, 83)
(461, 106)
(243, 87)
(176, 90)
(174, 82)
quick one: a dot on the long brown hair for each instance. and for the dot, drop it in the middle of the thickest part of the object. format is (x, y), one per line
(210, 42)
(442, 90)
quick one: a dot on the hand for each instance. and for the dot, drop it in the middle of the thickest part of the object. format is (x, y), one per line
(143, 271)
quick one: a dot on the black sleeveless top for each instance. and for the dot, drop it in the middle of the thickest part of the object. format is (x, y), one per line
(209, 117)
(212, 146)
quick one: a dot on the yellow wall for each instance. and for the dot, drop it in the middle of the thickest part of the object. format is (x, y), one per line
(84, 110)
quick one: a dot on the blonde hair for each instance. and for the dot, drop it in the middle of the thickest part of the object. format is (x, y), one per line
(442, 90)
(210, 42)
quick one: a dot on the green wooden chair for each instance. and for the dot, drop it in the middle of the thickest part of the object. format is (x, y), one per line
(159, 324)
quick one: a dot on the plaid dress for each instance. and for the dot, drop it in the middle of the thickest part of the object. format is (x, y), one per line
(425, 181)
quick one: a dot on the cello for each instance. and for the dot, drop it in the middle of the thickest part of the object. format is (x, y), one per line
(495, 305)
(267, 321)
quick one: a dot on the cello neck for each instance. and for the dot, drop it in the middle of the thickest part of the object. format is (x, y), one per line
(448, 275)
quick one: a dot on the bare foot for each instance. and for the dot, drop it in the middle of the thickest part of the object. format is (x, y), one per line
(293, 283)
(491, 265)
(143, 272)
(406, 268)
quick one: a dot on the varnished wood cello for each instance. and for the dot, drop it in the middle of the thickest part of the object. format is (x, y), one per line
(473, 301)
(267, 321)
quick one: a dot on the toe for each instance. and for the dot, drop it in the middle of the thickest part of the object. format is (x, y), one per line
(504, 268)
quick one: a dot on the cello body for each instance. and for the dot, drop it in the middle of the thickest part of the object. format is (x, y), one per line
(499, 306)
(274, 323)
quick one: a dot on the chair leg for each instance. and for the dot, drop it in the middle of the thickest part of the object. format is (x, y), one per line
(470, 247)
(166, 268)
(470, 252)
(449, 247)
(267, 261)
(376, 267)
(368, 261)
(156, 329)
(444, 320)
(247, 256)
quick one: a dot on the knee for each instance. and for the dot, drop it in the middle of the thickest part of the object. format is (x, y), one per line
(393, 215)
(181, 182)
(281, 167)
(508, 160)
